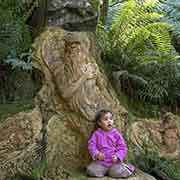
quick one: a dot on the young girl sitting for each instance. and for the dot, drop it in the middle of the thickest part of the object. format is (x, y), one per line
(108, 149)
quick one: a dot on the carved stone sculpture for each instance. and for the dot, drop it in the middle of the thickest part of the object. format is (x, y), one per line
(75, 73)
(160, 136)
(74, 88)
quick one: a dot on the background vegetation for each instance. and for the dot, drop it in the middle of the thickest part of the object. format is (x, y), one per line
(140, 42)
(139, 53)
(18, 80)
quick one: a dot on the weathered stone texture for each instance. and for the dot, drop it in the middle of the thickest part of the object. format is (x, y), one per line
(74, 89)
(161, 136)
(72, 14)
(77, 90)
(20, 144)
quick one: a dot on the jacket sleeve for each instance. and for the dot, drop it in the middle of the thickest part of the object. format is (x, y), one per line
(121, 147)
(92, 146)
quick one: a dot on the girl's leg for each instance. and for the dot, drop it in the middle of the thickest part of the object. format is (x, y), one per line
(96, 170)
(121, 170)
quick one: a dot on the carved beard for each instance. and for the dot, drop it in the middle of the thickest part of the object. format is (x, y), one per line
(74, 55)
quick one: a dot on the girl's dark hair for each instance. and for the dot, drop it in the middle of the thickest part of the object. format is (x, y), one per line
(99, 115)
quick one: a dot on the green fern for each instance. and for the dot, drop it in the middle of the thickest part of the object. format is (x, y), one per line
(135, 30)
(114, 6)
(23, 61)
(171, 9)
(163, 87)
(138, 46)
(14, 33)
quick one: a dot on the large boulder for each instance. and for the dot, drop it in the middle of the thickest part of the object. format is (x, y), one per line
(73, 15)
(74, 89)
(21, 146)
(160, 136)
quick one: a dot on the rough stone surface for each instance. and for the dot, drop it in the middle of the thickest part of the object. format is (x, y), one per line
(75, 87)
(69, 58)
(72, 15)
(20, 143)
(161, 136)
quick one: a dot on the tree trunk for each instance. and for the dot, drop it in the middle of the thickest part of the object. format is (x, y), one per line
(38, 18)
(104, 11)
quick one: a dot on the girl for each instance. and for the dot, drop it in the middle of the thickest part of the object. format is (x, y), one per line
(108, 149)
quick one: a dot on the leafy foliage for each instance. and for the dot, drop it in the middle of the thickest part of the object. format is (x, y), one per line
(160, 167)
(114, 6)
(14, 33)
(138, 46)
(138, 33)
(37, 172)
(164, 86)
(23, 61)
(171, 8)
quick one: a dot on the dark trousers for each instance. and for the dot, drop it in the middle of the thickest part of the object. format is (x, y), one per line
(118, 170)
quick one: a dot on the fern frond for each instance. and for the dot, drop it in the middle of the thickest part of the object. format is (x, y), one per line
(171, 9)
(140, 46)
(150, 3)
(134, 29)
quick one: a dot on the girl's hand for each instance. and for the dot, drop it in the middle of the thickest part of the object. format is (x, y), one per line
(114, 158)
(89, 70)
(100, 156)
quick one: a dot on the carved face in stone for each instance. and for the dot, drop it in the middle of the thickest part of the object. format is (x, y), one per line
(70, 59)
(77, 47)
(78, 58)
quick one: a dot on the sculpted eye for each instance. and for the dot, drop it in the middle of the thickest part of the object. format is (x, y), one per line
(73, 46)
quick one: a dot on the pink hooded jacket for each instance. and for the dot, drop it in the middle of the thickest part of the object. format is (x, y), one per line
(109, 143)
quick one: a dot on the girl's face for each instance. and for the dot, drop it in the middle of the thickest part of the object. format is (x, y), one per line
(106, 122)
